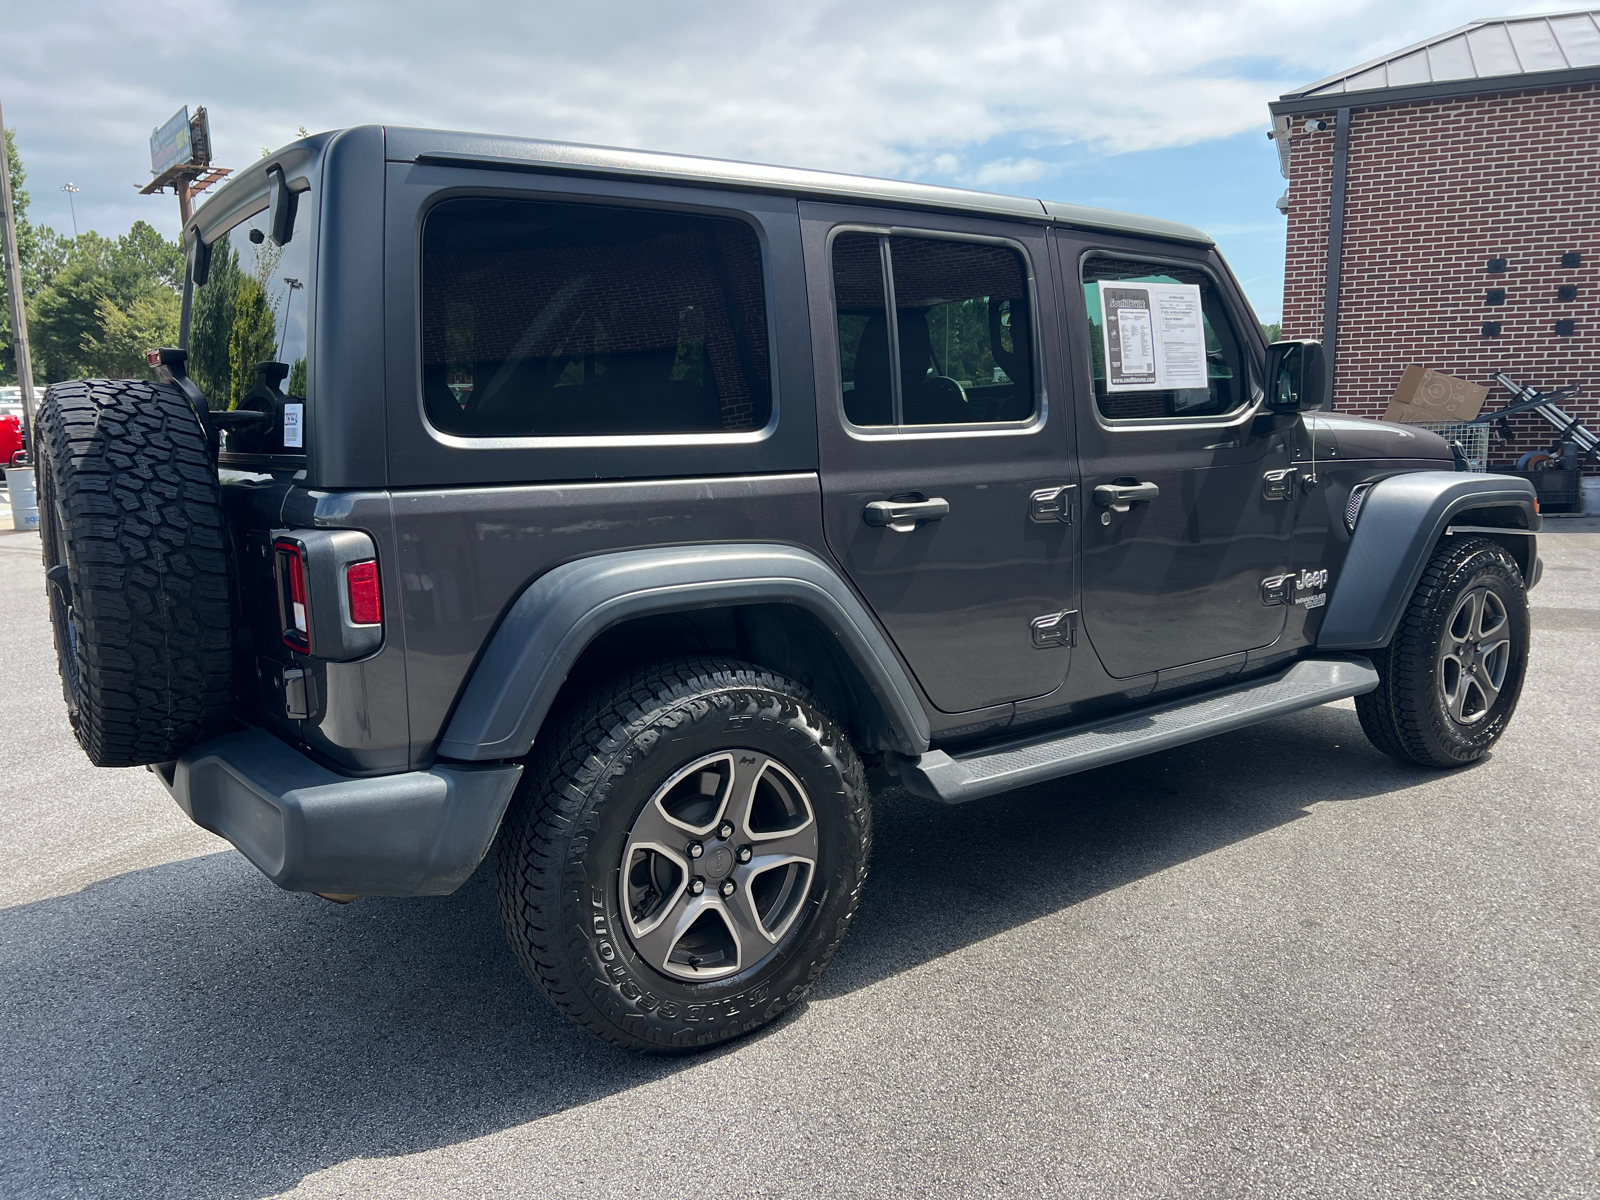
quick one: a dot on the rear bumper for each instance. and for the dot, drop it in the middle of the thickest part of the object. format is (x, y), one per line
(309, 829)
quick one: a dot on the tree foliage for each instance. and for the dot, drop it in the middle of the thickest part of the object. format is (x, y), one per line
(95, 304)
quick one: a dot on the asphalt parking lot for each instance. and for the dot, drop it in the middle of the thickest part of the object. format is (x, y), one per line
(1275, 964)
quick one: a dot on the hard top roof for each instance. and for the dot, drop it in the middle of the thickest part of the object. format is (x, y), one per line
(515, 153)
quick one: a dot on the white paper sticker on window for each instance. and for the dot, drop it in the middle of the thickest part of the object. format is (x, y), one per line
(1154, 336)
(294, 430)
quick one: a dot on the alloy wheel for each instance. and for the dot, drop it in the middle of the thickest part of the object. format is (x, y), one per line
(718, 865)
(1474, 654)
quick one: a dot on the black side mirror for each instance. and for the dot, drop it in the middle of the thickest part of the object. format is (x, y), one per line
(280, 217)
(1296, 379)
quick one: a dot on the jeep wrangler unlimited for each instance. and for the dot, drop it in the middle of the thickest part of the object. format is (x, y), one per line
(615, 510)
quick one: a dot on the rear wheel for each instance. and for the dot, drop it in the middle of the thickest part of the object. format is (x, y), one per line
(130, 516)
(685, 853)
(1451, 676)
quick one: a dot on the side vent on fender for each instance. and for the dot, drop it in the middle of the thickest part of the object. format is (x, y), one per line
(1352, 508)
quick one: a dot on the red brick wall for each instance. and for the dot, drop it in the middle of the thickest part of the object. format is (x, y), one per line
(1434, 191)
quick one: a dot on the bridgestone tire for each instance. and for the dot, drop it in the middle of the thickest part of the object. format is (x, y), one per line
(592, 775)
(1408, 716)
(130, 506)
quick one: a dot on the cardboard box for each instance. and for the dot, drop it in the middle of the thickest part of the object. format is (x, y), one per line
(1426, 396)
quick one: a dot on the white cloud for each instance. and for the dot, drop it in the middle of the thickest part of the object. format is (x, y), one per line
(900, 89)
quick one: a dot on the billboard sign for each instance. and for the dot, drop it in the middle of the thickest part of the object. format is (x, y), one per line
(171, 145)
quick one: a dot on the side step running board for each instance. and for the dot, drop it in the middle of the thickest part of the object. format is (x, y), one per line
(955, 779)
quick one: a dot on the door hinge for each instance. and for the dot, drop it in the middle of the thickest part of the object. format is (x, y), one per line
(1280, 485)
(1054, 504)
(1055, 629)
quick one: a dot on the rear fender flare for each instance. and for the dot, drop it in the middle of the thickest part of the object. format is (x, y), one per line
(555, 618)
(1402, 519)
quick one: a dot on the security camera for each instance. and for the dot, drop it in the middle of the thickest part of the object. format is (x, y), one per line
(1316, 126)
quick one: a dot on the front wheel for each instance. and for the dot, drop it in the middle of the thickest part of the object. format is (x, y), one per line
(685, 853)
(1450, 678)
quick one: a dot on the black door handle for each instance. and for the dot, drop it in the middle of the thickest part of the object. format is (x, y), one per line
(1120, 497)
(903, 516)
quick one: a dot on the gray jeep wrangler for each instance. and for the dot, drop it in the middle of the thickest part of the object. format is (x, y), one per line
(616, 511)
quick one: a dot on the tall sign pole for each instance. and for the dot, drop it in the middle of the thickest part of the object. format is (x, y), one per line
(19, 311)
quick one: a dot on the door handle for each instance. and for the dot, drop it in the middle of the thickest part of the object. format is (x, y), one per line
(1120, 497)
(903, 516)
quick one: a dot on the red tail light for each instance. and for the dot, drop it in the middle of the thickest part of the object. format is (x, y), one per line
(294, 609)
(366, 597)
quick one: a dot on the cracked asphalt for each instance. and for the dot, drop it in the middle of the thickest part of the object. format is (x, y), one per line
(1275, 964)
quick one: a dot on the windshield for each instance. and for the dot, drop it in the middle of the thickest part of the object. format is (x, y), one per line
(252, 309)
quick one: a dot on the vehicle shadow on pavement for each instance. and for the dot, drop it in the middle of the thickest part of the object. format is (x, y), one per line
(190, 1030)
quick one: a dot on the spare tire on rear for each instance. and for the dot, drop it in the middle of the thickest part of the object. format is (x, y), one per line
(135, 555)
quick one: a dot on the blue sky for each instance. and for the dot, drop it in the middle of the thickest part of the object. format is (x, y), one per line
(1153, 106)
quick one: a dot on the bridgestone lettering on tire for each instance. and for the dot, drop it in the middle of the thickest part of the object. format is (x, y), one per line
(1451, 677)
(130, 515)
(633, 795)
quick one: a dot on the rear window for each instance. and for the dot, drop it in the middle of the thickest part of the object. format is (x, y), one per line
(544, 319)
(252, 309)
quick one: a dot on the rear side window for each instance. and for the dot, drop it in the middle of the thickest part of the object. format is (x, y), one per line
(1215, 359)
(544, 319)
(960, 350)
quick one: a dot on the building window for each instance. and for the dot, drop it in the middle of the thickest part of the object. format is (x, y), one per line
(544, 319)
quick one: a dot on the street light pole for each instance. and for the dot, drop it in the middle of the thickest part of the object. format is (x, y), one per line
(19, 311)
(294, 286)
(72, 189)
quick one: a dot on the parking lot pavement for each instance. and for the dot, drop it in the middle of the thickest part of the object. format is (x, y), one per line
(1275, 964)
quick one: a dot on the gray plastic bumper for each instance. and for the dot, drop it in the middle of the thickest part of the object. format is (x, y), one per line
(308, 829)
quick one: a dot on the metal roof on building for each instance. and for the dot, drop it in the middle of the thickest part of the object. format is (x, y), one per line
(1489, 49)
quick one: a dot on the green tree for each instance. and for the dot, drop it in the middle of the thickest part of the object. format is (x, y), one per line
(107, 291)
(211, 326)
(252, 338)
(297, 379)
(149, 320)
(1271, 331)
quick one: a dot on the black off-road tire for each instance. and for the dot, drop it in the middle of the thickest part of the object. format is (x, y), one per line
(593, 771)
(135, 554)
(1408, 716)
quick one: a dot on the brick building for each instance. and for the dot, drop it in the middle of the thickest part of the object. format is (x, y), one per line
(1452, 191)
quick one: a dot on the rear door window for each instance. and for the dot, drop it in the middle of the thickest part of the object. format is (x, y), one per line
(547, 319)
(960, 351)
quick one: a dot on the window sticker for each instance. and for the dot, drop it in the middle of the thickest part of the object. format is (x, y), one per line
(294, 425)
(1155, 337)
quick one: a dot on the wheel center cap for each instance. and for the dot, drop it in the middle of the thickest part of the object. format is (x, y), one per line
(718, 862)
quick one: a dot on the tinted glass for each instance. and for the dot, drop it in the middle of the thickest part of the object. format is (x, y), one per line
(547, 319)
(859, 295)
(1227, 366)
(252, 309)
(962, 328)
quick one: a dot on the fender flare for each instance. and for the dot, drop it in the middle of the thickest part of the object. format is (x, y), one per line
(556, 617)
(1402, 519)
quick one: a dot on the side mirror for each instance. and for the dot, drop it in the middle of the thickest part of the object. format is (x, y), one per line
(1296, 378)
(280, 216)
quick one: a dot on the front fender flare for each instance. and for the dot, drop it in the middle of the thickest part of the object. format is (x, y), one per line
(1402, 519)
(560, 613)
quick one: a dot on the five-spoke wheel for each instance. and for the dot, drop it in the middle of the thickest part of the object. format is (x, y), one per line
(1474, 655)
(685, 854)
(717, 864)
